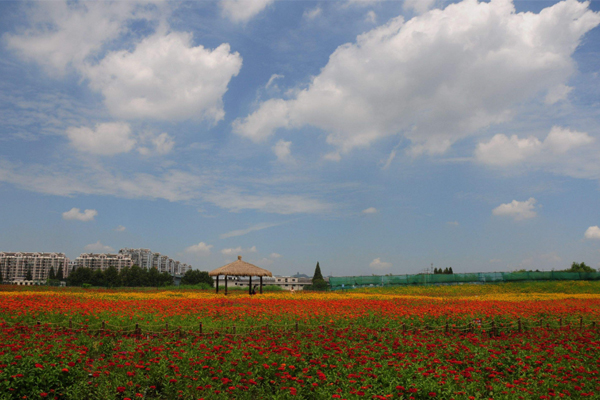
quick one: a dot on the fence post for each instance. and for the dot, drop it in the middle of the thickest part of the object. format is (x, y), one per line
(296, 326)
(137, 328)
(179, 332)
(580, 322)
(519, 324)
(70, 323)
(446, 327)
(494, 327)
(560, 323)
(200, 328)
(39, 323)
(267, 328)
(166, 326)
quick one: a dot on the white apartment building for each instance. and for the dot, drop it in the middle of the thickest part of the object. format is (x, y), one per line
(145, 258)
(14, 266)
(103, 261)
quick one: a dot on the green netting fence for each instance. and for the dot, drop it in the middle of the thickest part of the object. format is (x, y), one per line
(348, 282)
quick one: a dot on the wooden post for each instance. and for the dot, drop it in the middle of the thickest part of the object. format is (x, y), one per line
(217, 284)
(560, 323)
(250, 285)
(267, 328)
(225, 285)
(296, 326)
(103, 325)
(179, 332)
(200, 328)
(137, 329)
(446, 327)
(519, 325)
(234, 329)
(39, 323)
(580, 322)
(593, 324)
(166, 326)
(70, 323)
(494, 327)
(261, 284)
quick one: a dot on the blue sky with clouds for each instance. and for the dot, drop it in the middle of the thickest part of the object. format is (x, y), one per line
(371, 136)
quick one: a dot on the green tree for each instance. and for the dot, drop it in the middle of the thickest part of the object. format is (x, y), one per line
(1, 276)
(98, 278)
(450, 271)
(59, 274)
(111, 277)
(51, 274)
(194, 277)
(446, 271)
(28, 275)
(79, 276)
(154, 277)
(134, 277)
(318, 283)
(580, 267)
(166, 279)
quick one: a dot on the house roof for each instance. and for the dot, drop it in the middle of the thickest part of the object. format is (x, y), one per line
(240, 268)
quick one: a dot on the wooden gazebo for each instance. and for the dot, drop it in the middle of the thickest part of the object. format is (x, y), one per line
(240, 268)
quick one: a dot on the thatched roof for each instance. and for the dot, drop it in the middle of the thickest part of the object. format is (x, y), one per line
(240, 268)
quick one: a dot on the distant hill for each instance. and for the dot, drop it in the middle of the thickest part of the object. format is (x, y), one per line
(299, 275)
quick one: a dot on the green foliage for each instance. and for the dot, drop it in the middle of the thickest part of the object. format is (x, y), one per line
(59, 274)
(29, 276)
(580, 267)
(194, 277)
(51, 274)
(111, 277)
(318, 276)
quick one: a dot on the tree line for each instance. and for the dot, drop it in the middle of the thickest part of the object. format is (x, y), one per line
(447, 271)
(111, 277)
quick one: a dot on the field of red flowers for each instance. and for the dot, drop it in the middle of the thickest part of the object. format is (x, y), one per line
(99, 344)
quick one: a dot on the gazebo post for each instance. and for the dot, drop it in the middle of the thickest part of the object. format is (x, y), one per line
(250, 284)
(225, 285)
(217, 284)
(261, 284)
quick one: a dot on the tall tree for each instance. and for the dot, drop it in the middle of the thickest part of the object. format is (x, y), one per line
(51, 274)
(28, 276)
(318, 275)
(450, 271)
(59, 274)
(111, 277)
(154, 277)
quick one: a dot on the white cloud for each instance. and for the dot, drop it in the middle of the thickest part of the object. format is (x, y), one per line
(120, 228)
(519, 210)
(165, 77)
(370, 210)
(64, 33)
(312, 13)
(274, 255)
(98, 248)
(171, 185)
(75, 213)
(371, 17)
(282, 150)
(159, 144)
(563, 151)
(418, 6)
(557, 93)
(593, 232)
(200, 249)
(238, 250)
(429, 78)
(378, 264)
(105, 139)
(243, 10)
(254, 228)
(272, 80)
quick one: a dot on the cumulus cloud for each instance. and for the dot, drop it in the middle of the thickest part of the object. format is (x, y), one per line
(275, 255)
(370, 210)
(502, 150)
(200, 249)
(98, 248)
(120, 228)
(282, 150)
(105, 139)
(165, 77)
(558, 93)
(429, 78)
(64, 33)
(312, 13)
(593, 232)
(243, 10)
(238, 250)
(156, 144)
(418, 6)
(75, 213)
(378, 264)
(272, 79)
(371, 17)
(519, 210)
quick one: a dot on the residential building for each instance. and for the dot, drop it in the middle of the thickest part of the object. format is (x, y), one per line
(284, 282)
(103, 261)
(145, 258)
(14, 266)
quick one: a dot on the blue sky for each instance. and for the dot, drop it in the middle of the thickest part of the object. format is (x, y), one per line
(371, 136)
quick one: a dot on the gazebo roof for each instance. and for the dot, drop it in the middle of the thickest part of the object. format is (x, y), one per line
(240, 268)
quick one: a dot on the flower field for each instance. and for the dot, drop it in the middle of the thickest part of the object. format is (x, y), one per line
(471, 342)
